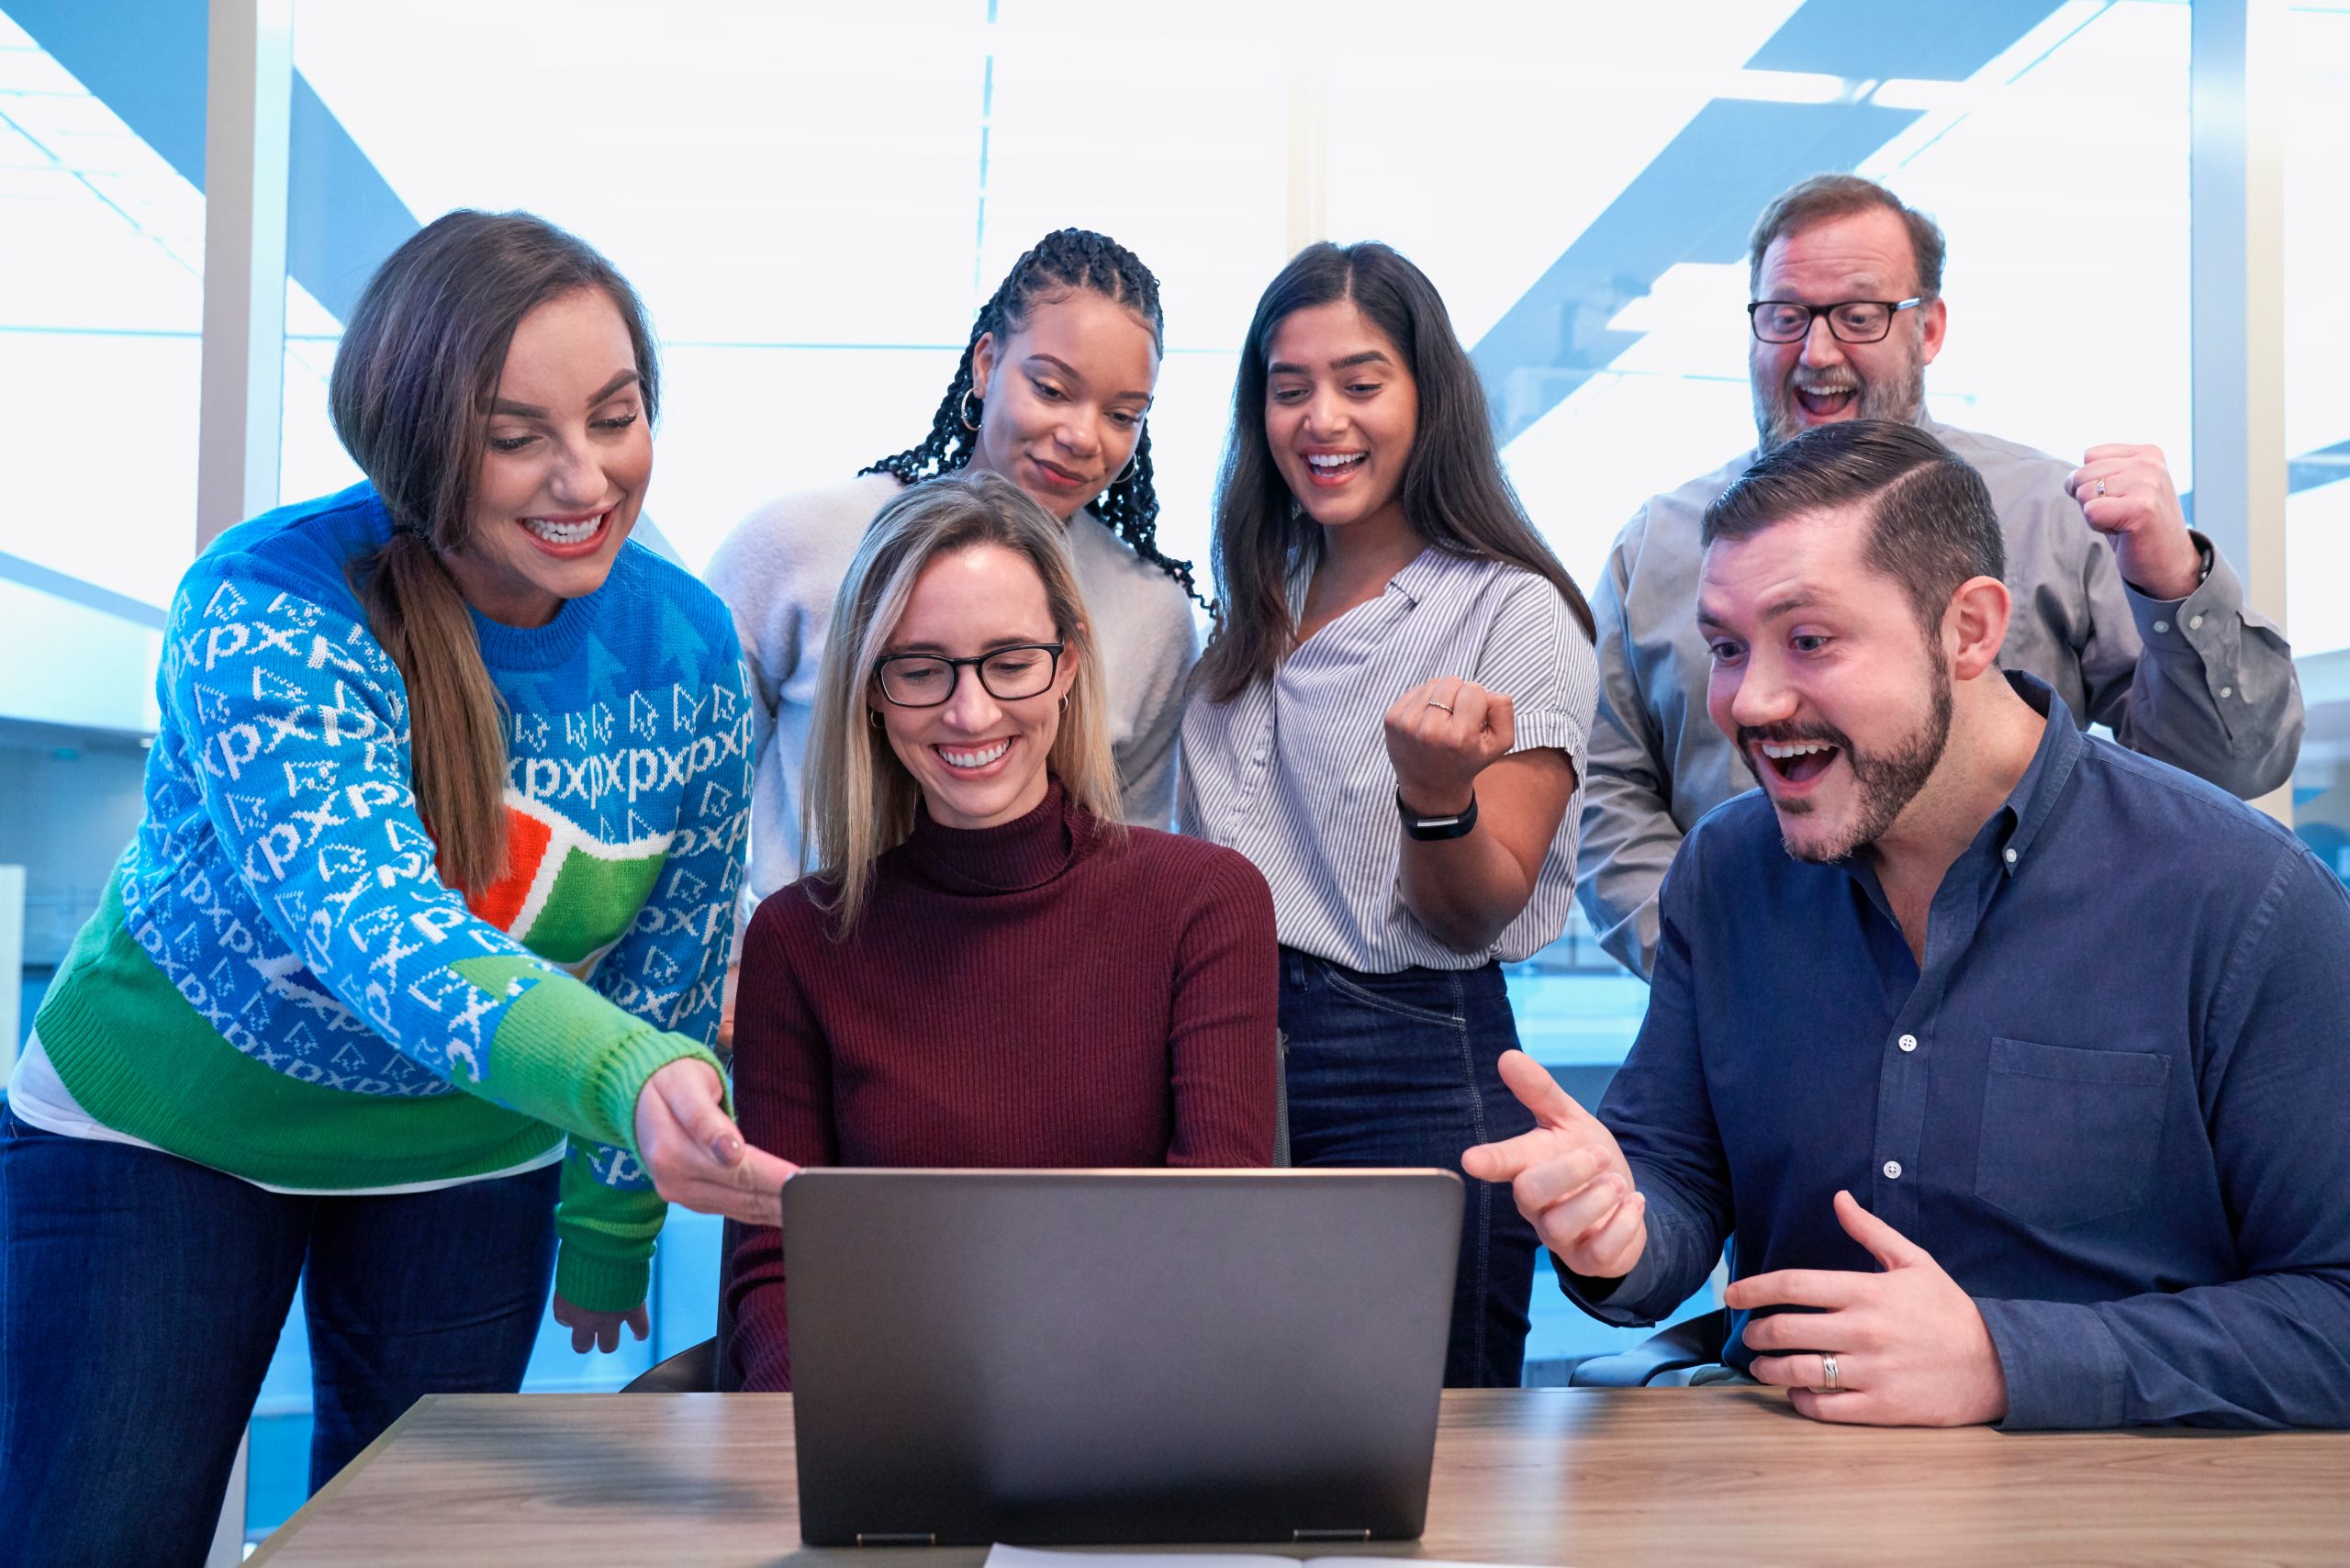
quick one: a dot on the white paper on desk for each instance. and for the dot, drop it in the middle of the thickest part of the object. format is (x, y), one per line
(1002, 1556)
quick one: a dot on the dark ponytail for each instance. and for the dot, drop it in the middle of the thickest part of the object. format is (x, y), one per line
(1063, 259)
(410, 392)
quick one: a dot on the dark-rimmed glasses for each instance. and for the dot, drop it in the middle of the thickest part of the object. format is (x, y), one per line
(926, 681)
(1852, 320)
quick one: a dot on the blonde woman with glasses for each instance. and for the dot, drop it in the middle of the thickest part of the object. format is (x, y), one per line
(986, 967)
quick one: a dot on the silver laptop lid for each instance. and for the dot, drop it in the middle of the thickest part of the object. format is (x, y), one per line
(1073, 1356)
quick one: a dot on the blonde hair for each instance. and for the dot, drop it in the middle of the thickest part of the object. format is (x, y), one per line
(860, 800)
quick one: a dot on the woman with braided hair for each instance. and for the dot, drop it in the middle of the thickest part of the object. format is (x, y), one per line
(1051, 394)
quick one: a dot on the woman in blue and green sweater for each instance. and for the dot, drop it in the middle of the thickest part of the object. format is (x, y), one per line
(442, 830)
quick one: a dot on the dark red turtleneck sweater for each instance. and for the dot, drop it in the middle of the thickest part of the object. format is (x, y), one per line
(1036, 994)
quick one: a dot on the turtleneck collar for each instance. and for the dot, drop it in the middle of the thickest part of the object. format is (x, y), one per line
(1026, 852)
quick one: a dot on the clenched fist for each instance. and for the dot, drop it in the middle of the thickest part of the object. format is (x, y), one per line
(1440, 736)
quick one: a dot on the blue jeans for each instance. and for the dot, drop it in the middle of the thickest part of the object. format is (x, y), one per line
(140, 1299)
(1399, 1069)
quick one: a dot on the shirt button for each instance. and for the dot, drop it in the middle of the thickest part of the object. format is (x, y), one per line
(1908, 1042)
(2193, 621)
(2011, 854)
(1893, 1171)
(2227, 691)
(2162, 625)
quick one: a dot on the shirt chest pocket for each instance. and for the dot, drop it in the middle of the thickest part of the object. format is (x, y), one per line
(2069, 1136)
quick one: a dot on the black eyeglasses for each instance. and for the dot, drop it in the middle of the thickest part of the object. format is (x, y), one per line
(926, 681)
(1852, 320)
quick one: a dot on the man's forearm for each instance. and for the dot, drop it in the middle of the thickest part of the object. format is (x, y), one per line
(2214, 690)
(2272, 1350)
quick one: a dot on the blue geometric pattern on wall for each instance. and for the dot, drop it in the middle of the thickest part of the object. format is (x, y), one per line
(1696, 201)
(145, 61)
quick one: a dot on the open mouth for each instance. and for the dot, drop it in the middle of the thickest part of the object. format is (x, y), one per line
(568, 536)
(1826, 402)
(1797, 762)
(1333, 467)
(973, 759)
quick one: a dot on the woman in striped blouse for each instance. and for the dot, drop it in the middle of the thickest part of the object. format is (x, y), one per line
(1391, 723)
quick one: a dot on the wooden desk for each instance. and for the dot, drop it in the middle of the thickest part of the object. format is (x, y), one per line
(1544, 1476)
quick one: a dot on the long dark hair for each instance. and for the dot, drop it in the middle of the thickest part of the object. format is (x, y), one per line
(1455, 495)
(413, 381)
(1064, 260)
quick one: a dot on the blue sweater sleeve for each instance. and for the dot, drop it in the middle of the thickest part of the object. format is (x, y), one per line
(304, 770)
(2271, 1349)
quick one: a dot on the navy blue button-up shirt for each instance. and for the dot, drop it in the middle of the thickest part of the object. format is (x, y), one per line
(2113, 1102)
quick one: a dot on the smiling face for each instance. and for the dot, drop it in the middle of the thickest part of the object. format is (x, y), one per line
(564, 466)
(979, 759)
(1822, 379)
(1062, 397)
(1341, 412)
(1823, 680)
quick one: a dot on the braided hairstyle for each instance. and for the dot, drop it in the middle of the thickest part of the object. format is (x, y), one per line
(1064, 260)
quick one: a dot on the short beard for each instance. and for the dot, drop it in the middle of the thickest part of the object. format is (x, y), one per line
(1901, 399)
(1883, 786)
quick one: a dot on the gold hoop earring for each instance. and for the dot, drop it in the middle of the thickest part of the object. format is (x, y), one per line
(963, 410)
(874, 714)
(1064, 701)
(1128, 471)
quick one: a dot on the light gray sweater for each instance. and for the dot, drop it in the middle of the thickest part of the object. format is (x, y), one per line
(779, 570)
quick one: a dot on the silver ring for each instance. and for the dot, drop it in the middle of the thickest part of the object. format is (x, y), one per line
(1828, 1372)
(2101, 487)
(1433, 703)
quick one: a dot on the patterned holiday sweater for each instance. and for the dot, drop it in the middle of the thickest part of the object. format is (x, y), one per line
(279, 985)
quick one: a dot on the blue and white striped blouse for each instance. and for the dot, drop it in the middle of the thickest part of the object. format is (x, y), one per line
(1293, 772)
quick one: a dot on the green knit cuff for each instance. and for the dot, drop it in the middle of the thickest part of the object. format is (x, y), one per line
(565, 1055)
(622, 1074)
(595, 1283)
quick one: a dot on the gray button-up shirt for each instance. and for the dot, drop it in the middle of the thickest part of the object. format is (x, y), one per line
(2202, 683)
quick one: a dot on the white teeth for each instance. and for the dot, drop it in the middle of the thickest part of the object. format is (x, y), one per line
(1336, 461)
(978, 758)
(1779, 753)
(565, 532)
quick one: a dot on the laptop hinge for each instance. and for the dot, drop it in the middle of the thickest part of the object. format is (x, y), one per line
(896, 1538)
(1303, 1535)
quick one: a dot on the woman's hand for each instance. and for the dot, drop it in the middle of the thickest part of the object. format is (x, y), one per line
(695, 1153)
(600, 1329)
(1440, 736)
(1449, 741)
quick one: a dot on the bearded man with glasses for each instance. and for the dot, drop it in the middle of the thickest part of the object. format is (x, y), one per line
(2127, 613)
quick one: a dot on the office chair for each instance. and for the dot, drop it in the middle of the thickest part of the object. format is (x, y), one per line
(1693, 1342)
(703, 1368)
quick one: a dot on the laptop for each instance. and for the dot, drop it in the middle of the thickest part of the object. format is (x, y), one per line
(1057, 1357)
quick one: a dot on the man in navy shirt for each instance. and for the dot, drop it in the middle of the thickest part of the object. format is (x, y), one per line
(2014, 1067)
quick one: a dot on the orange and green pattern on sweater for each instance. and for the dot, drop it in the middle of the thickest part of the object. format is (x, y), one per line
(567, 895)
